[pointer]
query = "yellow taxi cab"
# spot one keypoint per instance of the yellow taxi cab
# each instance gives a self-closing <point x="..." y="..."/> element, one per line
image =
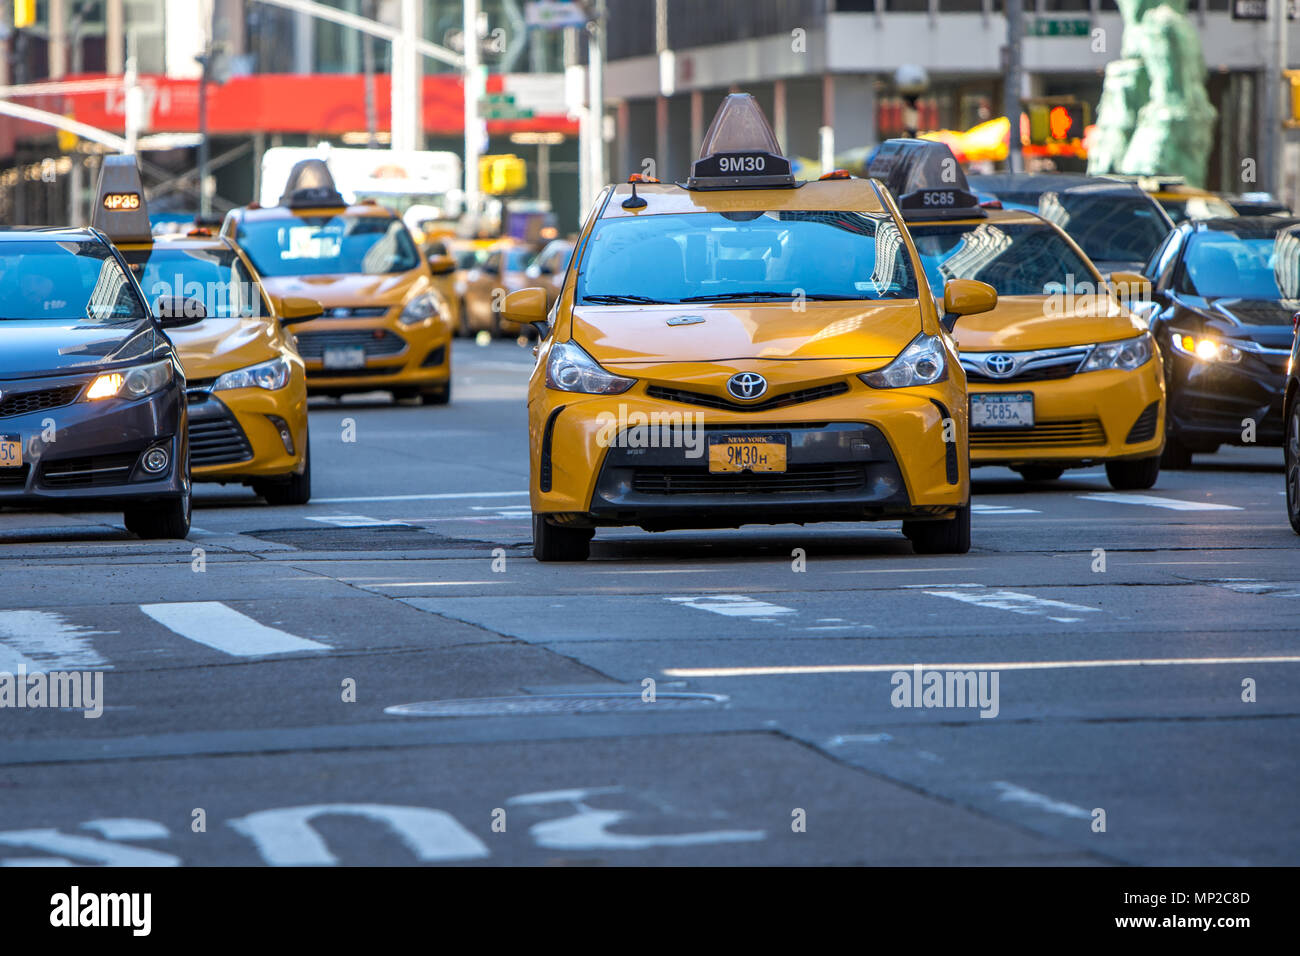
<point x="746" y="349"/>
<point x="246" y="385"/>
<point x="1060" y="374"/>
<point x="385" y="326"/>
<point x="1181" y="200"/>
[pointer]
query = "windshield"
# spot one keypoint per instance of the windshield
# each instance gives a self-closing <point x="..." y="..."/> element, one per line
<point x="216" y="277"/>
<point x="1109" y="227"/>
<point x="328" y="245"/>
<point x="1042" y="262"/>
<point x="65" y="281"/>
<point x="1197" y="207"/>
<point x="1222" y="264"/>
<point x="746" y="255"/>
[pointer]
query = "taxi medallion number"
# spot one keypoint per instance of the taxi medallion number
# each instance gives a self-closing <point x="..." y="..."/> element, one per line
<point x="756" y="453"/>
<point x="11" y="451"/>
<point x="344" y="358"/>
<point x="1002" y="410"/>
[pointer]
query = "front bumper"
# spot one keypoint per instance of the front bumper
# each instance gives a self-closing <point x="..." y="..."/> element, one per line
<point x="396" y="355"/>
<point x="234" y="436"/>
<point x="86" y="455"/>
<point x="1086" y="418"/>
<point x="1211" y="402"/>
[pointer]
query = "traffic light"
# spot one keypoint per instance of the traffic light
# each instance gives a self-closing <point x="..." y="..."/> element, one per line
<point x="501" y="174"/>
<point x="1056" y="122"/>
<point x="24" y="14"/>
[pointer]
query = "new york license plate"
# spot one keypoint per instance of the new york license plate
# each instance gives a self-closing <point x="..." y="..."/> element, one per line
<point x="731" y="453"/>
<point x="344" y="358"/>
<point x="1002" y="410"/>
<point x="11" y="451"/>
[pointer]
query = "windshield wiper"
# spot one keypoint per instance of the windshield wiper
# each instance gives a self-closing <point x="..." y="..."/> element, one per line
<point x="622" y="300"/>
<point x="723" y="296"/>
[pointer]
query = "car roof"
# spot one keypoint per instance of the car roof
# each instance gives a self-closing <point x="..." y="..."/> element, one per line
<point x="362" y="209"/>
<point x="994" y="216"/>
<point x="1050" y="182"/>
<point x="845" y="195"/>
<point x="1250" y="227"/>
<point x="53" y="233"/>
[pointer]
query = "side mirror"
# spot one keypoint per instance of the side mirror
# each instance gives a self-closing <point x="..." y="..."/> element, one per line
<point x="1130" y="287"/>
<point x="442" y="265"/>
<point x="966" y="297"/>
<point x="295" y="309"/>
<point x="175" y="312"/>
<point x="527" y="306"/>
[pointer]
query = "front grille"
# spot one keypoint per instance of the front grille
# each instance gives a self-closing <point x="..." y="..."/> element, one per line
<point x="26" y="402"/>
<point x="312" y="345"/>
<point x="801" y="479"/>
<point x="778" y="401"/>
<point x="1144" y="429"/>
<point x="14" y="477"/>
<point x="94" y="471"/>
<point x="359" y="312"/>
<point x="1041" y="366"/>
<point x="1040" y="373"/>
<point x="217" y="441"/>
<point x="1079" y="432"/>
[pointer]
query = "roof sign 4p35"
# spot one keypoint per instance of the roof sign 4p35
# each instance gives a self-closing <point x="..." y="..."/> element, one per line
<point x="740" y="150"/>
<point x="926" y="179"/>
<point x="120" y="209"/>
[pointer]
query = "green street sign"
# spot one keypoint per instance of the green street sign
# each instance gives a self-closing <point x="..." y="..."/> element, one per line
<point x="1059" y="27"/>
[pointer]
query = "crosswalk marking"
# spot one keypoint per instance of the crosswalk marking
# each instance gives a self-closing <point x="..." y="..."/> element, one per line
<point x="1017" y="602"/>
<point x="45" y="641"/>
<point x="981" y="509"/>
<point x="358" y="521"/>
<point x="732" y="605"/>
<point x="1155" y="501"/>
<point x="224" y="629"/>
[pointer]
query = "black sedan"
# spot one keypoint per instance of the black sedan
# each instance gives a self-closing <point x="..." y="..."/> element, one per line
<point x="92" y="395"/>
<point x="1223" y="295"/>
<point x="1291" y="440"/>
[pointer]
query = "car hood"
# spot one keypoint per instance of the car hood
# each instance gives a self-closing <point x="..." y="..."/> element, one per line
<point x="638" y="335"/>
<point x="215" y="346"/>
<point x="1267" y="322"/>
<point x="350" y="290"/>
<point x="1024" y="322"/>
<point x="45" y="347"/>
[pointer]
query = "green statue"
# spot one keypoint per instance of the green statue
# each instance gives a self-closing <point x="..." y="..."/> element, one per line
<point x="1155" y="118"/>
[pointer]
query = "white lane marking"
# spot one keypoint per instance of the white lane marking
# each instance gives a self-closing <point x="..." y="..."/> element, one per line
<point x="839" y="740"/>
<point x="426" y="584"/>
<point x="127" y="828"/>
<point x="1155" y="501"/>
<point x="1014" y="794"/>
<point x="1017" y="602"/>
<point x="731" y="605"/>
<point x="45" y="641"/>
<point x="83" y="848"/>
<point x="440" y="497"/>
<point x="358" y="521"/>
<point x="286" y="837"/>
<point x="669" y="571"/>
<point x="1257" y="586"/>
<point x="901" y="570"/>
<point x="224" y="629"/>
<point x="980" y="509"/>
<point x="795" y="670"/>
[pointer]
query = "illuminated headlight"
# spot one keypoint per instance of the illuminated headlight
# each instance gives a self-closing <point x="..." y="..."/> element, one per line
<point x="1125" y="355"/>
<point x="419" y="309"/>
<point x="921" y="363"/>
<point x="1204" y="348"/>
<point x="272" y="376"/>
<point x="131" y="384"/>
<point x="570" y="369"/>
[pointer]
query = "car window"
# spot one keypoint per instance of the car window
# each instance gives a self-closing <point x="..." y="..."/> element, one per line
<point x="1158" y="271"/>
<point x="216" y="277"/>
<point x="1223" y="264"/>
<point x="328" y="245"/>
<point x="66" y="281"/>
<point x="1014" y="258"/>
<point x="1108" y="227"/>
<point x="693" y="256"/>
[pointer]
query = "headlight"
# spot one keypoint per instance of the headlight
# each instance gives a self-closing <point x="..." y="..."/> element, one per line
<point x="1203" y="347"/>
<point x="131" y="384"/>
<point x="924" y="362"/>
<point x="570" y="369"/>
<point x="1126" y="354"/>
<point x="419" y="310"/>
<point x="272" y="376"/>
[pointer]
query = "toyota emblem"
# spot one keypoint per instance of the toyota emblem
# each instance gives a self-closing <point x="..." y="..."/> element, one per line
<point x="1000" y="365"/>
<point x="747" y="386"/>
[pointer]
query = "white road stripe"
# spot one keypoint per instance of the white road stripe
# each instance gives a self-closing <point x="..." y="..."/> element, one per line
<point x="1014" y="794"/>
<point x="426" y="584"/>
<point x="732" y="605"/>
<point x="801" y="669"/>
<point x="224" y="629"/>
<point x="1017" y="602"/>
<point x="980" y="509"/>
<point x="441" y="497"/>
<point x="1155" y="501"/>
<point x="358" y="521"/>
<point x="45" y="641"/>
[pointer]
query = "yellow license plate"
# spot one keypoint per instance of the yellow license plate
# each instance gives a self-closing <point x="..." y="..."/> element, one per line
<point x="747" y="453"/>
<point x="11" y="451"/>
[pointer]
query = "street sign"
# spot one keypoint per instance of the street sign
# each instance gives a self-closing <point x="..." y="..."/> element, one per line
<point x="1258" y="9"/>
<point x="554" y="14"/>
<point x="502" y="106"/>
<point x="1059" y="27"/>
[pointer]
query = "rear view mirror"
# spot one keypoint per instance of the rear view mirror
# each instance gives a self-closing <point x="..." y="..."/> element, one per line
<point x="442" y="265"/>
<point x="295" y="309"/>
<point x="527" y="306"/>
<point x="966" y="297"/>
<point x="1130" y="287"/>
<point x="175" y="311"/>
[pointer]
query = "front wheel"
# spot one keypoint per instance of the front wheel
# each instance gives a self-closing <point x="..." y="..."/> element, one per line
<point x="169" y="519"/>
<point x="940" y="537"/>
<point x="557" y="543"/>
<point x="1292" y="452"/>
<point x="1134" y="474"/>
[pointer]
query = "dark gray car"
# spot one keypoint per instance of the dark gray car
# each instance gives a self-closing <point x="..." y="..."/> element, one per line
<point x="92" y="394"/>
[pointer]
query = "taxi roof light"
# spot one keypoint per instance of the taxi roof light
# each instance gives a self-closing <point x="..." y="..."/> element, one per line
<point x="119" y="219"/>
<point x="926" y="178"/>
<point x="740" y="150"/>
<point x="310" y="185"/>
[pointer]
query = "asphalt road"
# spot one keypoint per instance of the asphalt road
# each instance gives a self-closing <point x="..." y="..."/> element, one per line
<point x="286" y="686"/>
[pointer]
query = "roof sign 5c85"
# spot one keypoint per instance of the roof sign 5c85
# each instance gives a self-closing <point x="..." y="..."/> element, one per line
<point x="120" y="210"/>
<point x="740" y="150"/>
<point x="926" y="178"/>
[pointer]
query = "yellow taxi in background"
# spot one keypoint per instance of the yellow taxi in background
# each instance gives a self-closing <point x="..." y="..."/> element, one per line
<point x="1060" y="374"/>
<point x="245" y="382"/>
<point x="1180" y="200"/>
<point x="385" y="325"/>
<point x="745" y="349"/>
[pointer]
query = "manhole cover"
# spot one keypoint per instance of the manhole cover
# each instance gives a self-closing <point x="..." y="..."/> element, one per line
<point x="554" y="704"/>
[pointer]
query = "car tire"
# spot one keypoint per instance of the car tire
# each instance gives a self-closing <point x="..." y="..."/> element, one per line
<point x="465" y="330"/>
<point x="1133" y="474"/>
<point x="437" y="396"/>
<point x="557" y="543"/>
<point x="940" y="537"/>
<point x="1176" y="456"/>
<point x="495" y="326"/>
<point x="1039" y="472"/>
<point x="296" y="490"/>
<point x="1291" y="452"/>
<point x="171" y="519"/>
